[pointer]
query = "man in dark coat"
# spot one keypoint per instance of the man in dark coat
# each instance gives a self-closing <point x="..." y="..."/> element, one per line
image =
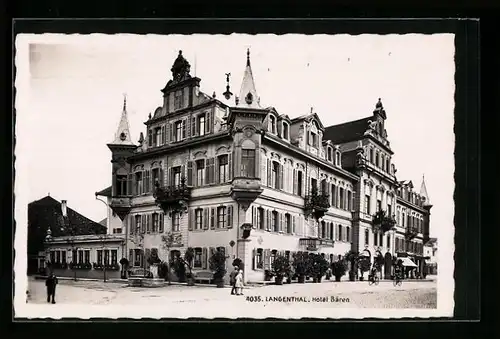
<point x="51" y="283"/>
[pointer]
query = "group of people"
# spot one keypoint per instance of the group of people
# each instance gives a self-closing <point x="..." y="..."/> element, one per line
<point x="236" y="281"/>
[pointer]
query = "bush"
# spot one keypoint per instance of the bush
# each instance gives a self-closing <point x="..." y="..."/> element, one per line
<point x="218" y="265"/>
<point x="301" y="263"/>
<point x="318" y="266"/>
<point x="280" y="266"/>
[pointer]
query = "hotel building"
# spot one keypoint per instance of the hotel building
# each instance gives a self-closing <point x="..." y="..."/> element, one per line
<point x="255" y="183"/>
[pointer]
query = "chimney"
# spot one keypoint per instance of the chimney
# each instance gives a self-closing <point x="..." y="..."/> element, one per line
<point x="63" y="208"/>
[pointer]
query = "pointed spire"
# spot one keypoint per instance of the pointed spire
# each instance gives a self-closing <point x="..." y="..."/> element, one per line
<point x="423" y="192"/>
<point x="122" y="136"/>
<point x="248" y="94"/>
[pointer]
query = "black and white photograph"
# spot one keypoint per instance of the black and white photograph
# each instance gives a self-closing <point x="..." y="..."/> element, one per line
<point x="234" y="176"/>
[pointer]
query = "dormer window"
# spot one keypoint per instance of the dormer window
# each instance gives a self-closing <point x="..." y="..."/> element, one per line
<point x="156" y="136"/>
<point x="272" y="124"/>
<point x="178" y="99"/>
<point x="285" y="131"/>
<point x="387" y="165"/>
<point x="329" y="152"/>
<point x="337" y="158"/>
<point x="313" y="139"/>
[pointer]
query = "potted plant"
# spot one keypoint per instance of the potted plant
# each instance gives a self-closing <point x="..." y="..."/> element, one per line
<point x="179" y="268"/>
<point x="364" y="266"/>
<point x="339" y="269"/>
<point x="300" y="265"/>
<point x="188" y="259"/>
<point x="280" y="267"/>
<point x="318" y="267"/>
<point x="218" y="266"/>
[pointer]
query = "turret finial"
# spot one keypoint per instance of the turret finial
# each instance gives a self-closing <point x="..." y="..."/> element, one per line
<point x="248" y="56"/>
<point x="124" y="101"/>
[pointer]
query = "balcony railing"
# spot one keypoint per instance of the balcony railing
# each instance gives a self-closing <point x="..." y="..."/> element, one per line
<point x="316" y="204"/>
<point x="173" y="198"/>
<point x="411" y="232"/>
<point x="313" y="244"/>
<point x="383" y="222"/>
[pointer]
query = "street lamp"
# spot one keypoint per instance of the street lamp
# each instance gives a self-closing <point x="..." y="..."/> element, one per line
<point x="104" y="238"/>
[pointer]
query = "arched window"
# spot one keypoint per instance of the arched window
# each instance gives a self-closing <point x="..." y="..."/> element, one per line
<point x="272" y="124"/>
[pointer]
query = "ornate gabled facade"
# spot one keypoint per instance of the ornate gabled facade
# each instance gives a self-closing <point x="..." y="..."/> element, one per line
<point x="251" y="181"/>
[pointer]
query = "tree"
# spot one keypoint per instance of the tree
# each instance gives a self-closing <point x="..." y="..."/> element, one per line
<point x="168" y="242"/>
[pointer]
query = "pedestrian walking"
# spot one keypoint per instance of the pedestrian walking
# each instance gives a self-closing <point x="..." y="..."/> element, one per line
<point x="232" y="279"/>
<point x="51" y="283"/>
<point x="239" y="282"/>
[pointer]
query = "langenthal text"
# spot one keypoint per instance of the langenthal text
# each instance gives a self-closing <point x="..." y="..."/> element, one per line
<point x="284" y="299"/>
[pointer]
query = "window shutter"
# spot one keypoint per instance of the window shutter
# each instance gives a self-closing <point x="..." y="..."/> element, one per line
<point x="172" y="132"/>
<point x="163" y="134"/>
<point x="230" y="216"/>
<point x="143" y="223"/>
<point x="208" y="122"/>
<point x="184" y="128"/>
<point x="150" y="138"/>
<point x="353" y="200"/>
<point x="216" y="170"/>
<point x="148" y="181"/>
<point x="193" y="127"/>
<point x="130" y="182"/>
<point x="161" y="221"/>
<point x="211" y="178"/>
<point x="206" y="218"/>
<point x="131" y="257"/>
<point x="148" y="223"/>
<point x="269" y="221"/>
<point x="294" y="227"/>
<point x="204" y="258"/>
<point x="183" y="171"/>
<point x="294" y="181"/>
<point x="192" y="219"/>
<point x="263" y="166"/>
<point x="269" y="173"/>
<point x="254" y="259"/>
<point x="254" y="217"/>
<point x="207" y="172"/>
<point x="212" y="218"/>
<point x="161" y="180"/>
<point x="187" y="122"/>
<point x="280" y="220"/>
<point x="131" y="224"/>
<point x="230" y="166"/>
<point x="168" y="132"/>
<point x="280" y="184"/>
<point x="266" y="256"/>
<point x="190" y="173"/>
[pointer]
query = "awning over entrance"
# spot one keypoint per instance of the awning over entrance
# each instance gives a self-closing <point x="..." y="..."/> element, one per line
<point x="408" y="262"/>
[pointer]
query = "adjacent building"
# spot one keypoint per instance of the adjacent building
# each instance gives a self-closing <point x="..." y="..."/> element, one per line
<point x="253" y="182"/>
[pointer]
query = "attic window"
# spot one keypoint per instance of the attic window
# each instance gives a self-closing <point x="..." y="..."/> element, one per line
<point x="329" y="153"/>
<point x="337" y="158"/>
<point x="272" y="124"/>
<point x="285" y="131"/>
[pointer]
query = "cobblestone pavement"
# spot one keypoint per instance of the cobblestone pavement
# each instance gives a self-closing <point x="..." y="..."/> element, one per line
<point x="412" y="294"/>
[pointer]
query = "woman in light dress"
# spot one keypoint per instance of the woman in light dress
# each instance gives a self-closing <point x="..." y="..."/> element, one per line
<point x="239" y="282"/>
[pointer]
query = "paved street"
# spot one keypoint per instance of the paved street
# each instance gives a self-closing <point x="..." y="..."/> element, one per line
<point x="412" y="294"/>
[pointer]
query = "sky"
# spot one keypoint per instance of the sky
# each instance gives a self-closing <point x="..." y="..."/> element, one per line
<point x="70" y="97"/>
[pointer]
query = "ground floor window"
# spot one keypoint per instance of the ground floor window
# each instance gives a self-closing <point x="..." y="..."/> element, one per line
<point x="87" y="256"/>
<point x="197" y="257"/>
<point x="259" y="262"/>
<point x="114" y="257"/>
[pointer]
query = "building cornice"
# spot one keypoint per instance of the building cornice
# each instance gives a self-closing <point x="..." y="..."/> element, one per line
<point x="173" y="147"/>
<point x="402" y="201"/>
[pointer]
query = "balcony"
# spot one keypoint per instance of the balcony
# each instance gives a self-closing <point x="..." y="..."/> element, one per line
<point x="121" y="206"/>
<point x="383" y="222"/>
<point x="173" y="198"/>
<point x="245" y="190"/>
<point x="316" y="204"/>
<point x="313" y="244"/>
<point x="411" y="232"/>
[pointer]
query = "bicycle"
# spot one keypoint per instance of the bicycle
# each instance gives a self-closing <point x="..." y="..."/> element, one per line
<point x="397" y="280"/>
<point x="373" y="279"/>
